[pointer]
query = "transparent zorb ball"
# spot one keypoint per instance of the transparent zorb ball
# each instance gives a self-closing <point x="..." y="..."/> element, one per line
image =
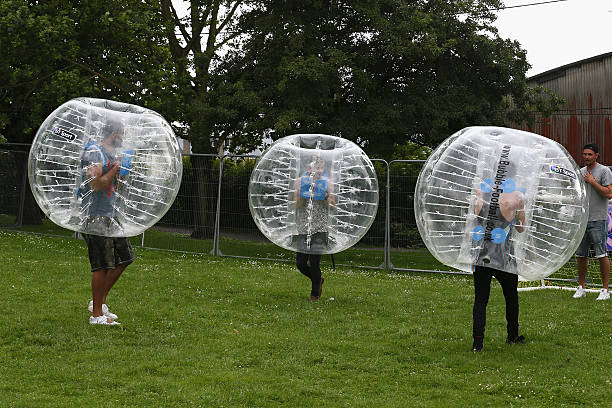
<point x="86" y="134"/>
<point x="472" y="190"/>
<point x="313" y="193"/>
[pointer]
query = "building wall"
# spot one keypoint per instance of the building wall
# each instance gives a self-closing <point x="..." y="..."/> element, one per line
<point x="586" y="117"/>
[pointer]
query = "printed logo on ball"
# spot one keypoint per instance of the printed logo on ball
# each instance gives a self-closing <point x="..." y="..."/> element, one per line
<point x="560" y="170"/>
<point x="64" y="133"/>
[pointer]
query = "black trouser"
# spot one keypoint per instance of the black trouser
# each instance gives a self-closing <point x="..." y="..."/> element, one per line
<point x="312" y="271"/>
<point x="482" y="288"/>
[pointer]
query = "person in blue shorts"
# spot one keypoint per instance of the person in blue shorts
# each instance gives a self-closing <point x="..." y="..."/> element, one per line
<point x="598" y="180"/>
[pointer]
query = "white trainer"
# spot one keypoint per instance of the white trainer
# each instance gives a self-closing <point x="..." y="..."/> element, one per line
<point x="580" y="292"/>
<point x="102" y="320"/>
<point x="105" y="310"/>
<point x="604" y="294"/>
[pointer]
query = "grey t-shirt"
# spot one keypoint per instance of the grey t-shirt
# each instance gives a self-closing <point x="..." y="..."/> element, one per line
<point x="598" y="204"/>
<point x="496" y="247"/>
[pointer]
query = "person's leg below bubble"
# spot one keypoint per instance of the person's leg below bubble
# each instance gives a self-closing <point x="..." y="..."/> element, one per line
<point x="123" y="257"/>
<point x="98" y="289"/>
<point x="315" y="277"/>
<point x="111" y="278"/>
<point x="482" y="289"/>
<point x="301" y="261"/>
<point x="582" y="261"/>
<point x="102" y="260"/>
<point x="509" y="284"/>
<point x="601" y="253"/>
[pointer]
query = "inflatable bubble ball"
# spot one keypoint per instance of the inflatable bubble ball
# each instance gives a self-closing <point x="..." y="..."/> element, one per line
<point x="501" y="198"/>
<point x="105" y="168"/>
<point x="313" y="193"/>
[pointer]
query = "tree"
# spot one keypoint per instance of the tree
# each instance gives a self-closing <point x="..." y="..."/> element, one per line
<point x="53" y="51"/>
<point x="198" y="43"/>
<point x="378" y="72"/>
<point x="57" y="50"/>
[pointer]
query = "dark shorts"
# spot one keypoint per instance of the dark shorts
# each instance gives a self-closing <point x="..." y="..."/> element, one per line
<point x="108" y="252"/>
<point x="596" y="234"/>
<point x="316" y="245"/>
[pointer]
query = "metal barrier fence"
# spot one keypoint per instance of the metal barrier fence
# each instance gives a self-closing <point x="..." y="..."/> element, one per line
<point x="211" y="213"/>
<point x="13" y="186"/>
<point x="237" y="235"/>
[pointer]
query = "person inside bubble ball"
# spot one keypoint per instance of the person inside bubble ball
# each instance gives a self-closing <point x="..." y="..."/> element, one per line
<point x="496" y="248"/>
<point x="598" y="181"/>
<point x="313" y="199"/>
<point x="108" y="256"/>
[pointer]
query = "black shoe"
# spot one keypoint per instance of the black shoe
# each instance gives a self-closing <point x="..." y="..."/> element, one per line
<point x="477" y="345"/>
<point x="515" y="340"/>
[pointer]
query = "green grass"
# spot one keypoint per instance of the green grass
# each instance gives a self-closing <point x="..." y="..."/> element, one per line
<point x="207" y="331"/>
<point x="358" y="257"/>
<point x="417" y="259"/>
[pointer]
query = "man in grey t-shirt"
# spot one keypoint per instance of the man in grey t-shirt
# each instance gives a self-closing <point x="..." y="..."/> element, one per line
<point x="598" y="179"/>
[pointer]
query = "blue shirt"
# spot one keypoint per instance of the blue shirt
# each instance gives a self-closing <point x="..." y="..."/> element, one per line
<point x="317" y="191"/>
<point x="96" y="203"/>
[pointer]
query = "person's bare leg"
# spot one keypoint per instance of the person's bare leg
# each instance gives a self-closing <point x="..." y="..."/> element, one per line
<point x="98" y="288"/>
<point x="111" y="278"/>
<point x="583" y="264"/>
<point x="604" y="268"/>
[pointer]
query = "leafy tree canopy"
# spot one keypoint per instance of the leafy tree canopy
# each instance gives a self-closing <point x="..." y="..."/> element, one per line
<point x="411" y="151"/>
<point x="55" y="50"/>
<point x="377" y="72"/>
<point x="232" y="72"/>
<point x="198" y="43"/>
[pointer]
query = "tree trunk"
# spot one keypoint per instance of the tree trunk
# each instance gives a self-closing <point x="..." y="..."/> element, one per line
<point x="205" y="199"/>
<point x="32" y="214"/>
<point x="28" y="212"/>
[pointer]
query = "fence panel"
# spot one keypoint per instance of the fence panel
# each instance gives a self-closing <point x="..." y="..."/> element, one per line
<point x="238" y="234"/>
<point x="370" y="251"/>
<point x="189" y="224"/>
<point x="14" y="186"/>
<point x="211" y="212"/>
<point x="405" y="243"/>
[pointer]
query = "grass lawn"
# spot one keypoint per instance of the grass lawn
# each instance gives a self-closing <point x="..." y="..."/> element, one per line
<point x="401" y="259"/>
<point x="159" y="239"/>
<point x="199" y="330"/>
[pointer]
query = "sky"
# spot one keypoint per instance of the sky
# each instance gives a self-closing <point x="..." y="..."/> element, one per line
<point x="559" y="33"/>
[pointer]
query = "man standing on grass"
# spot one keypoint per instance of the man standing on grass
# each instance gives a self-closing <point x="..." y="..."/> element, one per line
<point x="598" y="179"/>
<point x="108" y="256"/>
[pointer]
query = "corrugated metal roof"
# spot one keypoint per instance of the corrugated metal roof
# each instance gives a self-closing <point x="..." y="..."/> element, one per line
<point x="560" y="71"/>
<point x="586" y="86"/>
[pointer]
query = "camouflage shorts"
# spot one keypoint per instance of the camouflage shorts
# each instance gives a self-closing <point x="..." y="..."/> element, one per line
<point x="108" y="252"/>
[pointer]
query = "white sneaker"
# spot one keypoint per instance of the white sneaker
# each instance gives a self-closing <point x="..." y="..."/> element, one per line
<point x="604" y="294"/>
<point x="580" y="292"/>
<point x="105" y="310"/>
<point x="102" y="320"/>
